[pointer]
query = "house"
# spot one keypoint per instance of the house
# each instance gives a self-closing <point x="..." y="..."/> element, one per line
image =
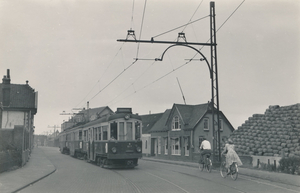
<point x="86" y="115"/>
<point x="179" y="132"/>
<point x="18" y="107"/>
<point x="148" y="121"/>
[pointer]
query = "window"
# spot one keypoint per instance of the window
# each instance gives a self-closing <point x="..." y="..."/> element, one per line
<point x="95" y="134"/>
<point x="104" y="132"/>
<point x="137" y="131"/>
<point x="221" y="124"/>
<point x="129" y="131"/>
<point x="85" y="135"/>
<point x="159" y="145"/>
<point x="187" y="146"/>
<point x="146" y="144"/>
<point x="176" y="124"/>
<point x="206" y="124"/>
<point x="166" y="145"/>
<point x="114" y="130"/>
<point x="121" y="131"/>
<point x="80" y="135"/>
<point x="99" y="133"/>
<point x="201" y="138"/>
<point x="176" y="146"/>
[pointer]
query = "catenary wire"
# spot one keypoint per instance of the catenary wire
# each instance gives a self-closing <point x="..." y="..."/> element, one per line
<point x="102" y="74"/>
<point x="181" y="26"/>
<point x="192" y="57"/>
<point x="192" y="16"/>
<point x="138" y="46"/>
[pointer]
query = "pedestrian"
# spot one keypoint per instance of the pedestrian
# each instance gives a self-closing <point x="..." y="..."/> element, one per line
<point x="205" y="148"/>
<point x="231" y="155"/>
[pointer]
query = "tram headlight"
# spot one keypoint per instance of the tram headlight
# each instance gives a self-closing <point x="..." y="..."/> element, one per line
<point x="138" y="149"/>
<point x="114" y="149"/>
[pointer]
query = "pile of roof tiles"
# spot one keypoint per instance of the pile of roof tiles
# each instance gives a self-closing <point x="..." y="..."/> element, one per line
<point x="274" y="133"/>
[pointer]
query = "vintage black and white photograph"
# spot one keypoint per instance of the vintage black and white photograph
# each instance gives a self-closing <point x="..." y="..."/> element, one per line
<point x="149" y="96"/>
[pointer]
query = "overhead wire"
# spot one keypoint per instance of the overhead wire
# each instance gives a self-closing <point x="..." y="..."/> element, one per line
<point x="114" y="57"/>
<point x="102" y="74"/>
<point x="157" y="36"/>
<point x="141" y="29"/>
<point x="131" y="24"/>
<point x="180" y="26"/>
<point x="192" y="16"/>
<point x="192" y="57"/>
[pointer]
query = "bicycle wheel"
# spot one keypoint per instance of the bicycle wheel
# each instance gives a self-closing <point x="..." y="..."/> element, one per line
<point x="234" y="171"/>
<point x="208" y="165"/>
<point x="223" y="170"/>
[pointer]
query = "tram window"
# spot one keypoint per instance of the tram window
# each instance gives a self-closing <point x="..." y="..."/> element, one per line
<point x="129" y="131"/>
<point x="121" y="131"/>
<point x="95" y="134"/>
<point x="80" y="135"/>
<point x="85" y="135"/>
<point x="99" y="133"/>
<point x="114" y="130"/>
<point x="104" y="130"/>
<point x="137" y="130"/>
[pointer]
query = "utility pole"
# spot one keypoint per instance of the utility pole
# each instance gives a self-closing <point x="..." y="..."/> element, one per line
<point x="212" y="69"/>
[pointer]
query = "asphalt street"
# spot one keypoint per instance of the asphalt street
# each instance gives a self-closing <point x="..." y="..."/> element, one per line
<point x="74" y="175"/>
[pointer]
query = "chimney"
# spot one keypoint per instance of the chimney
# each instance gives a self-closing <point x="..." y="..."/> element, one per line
<point x="6" y="79"/>
<point x="6" y="89"/>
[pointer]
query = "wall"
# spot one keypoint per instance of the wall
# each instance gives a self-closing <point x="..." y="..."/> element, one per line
<point x="146" y="150"/>
<point x="12" y="118"/>
<point x="257" y="160"/>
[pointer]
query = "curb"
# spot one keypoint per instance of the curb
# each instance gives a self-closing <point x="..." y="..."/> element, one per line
<point x="31" y="183"/>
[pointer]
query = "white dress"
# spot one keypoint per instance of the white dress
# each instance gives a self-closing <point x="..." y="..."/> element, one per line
<point x="232" y="156"/>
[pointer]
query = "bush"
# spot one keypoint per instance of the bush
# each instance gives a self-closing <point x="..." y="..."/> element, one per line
<point x="290" y="165"/>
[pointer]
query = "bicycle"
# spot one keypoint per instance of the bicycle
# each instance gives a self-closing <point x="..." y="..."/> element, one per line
<point x="207" y="164"/>
<point x="233" y="170"/>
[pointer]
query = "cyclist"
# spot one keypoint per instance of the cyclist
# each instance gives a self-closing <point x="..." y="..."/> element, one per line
<point x="205" y="149"/>
<point x="231" y="156"/>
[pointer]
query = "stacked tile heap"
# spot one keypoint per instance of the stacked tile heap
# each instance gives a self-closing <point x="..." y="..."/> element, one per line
<point x="274" y="133"/>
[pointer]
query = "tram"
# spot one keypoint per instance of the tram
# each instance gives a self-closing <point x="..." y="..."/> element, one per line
<point x="112" y="141"/>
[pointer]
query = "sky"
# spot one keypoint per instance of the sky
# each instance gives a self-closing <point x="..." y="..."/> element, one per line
<point x="69" y="53"/>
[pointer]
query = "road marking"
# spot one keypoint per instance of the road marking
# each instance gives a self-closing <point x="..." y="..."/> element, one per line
<point x="169" y="182"/>
<point x="259" y="182"/>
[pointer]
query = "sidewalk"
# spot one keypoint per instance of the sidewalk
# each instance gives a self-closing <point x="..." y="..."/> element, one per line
<point x="293" y="180"/>
<point x="35" y="169"/>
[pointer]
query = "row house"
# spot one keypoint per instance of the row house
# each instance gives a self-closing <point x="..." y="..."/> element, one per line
<point x="180" y="130"/>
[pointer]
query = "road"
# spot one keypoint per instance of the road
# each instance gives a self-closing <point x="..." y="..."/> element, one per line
<point x="74" y="175"/>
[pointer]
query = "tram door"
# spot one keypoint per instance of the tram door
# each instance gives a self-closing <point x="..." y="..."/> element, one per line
<point x="91" y="144"/>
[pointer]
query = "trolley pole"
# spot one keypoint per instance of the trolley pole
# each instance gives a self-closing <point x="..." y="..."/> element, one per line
<point x="212" y="69"/>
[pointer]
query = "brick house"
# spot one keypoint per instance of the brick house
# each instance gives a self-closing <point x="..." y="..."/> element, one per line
<point x="18" y="107"/>
<point x="180" y="130"/>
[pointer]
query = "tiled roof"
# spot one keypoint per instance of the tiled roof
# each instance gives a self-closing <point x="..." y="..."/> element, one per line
<point x="21" y="96"/>
<point x="149" y="121"/>
<point x="160" y="125"/>
<point x="191" y="114"/>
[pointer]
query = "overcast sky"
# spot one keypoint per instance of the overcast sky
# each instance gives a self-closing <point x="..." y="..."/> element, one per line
<point x="68" y="51"/>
